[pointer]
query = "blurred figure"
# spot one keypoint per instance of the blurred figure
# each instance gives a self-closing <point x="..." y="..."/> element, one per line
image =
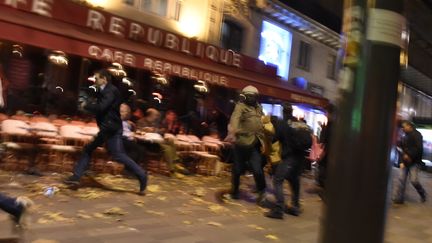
<point x="324" y="140"/>
<point x="132" y="148"/>
<point x="140" y="107"/>
<point x="150" y="121"/>
<point x="412" y="153"/>
<point x="150" y="124"/>
<point x="107" y="111"/>
<point x="218" y="122"/>
<point x="170" y="124"/>
<point x="248" y="133"/>
<point x="290" y="166"/>
<point x="16" y="207"/>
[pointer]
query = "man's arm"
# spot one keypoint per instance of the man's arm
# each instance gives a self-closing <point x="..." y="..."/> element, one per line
<point x="102" y="105"/>
<point x="235" y="118"/>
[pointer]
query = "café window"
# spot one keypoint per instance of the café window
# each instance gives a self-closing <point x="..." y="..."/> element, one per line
<point x="304" y="56"/>
<point x="232" y="36"/>
<point x="331" y="66"/>
<point x="165" y="8"/>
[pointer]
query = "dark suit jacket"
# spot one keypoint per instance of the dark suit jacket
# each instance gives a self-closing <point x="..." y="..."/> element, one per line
<point x="107" y="108"/>
<point x="412" y="144"/>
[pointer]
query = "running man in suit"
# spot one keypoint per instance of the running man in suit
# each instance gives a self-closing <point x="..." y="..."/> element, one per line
<point x="107" y="111"/>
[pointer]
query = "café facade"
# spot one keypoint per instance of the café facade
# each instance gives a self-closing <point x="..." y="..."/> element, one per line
<point x="85" y="34"/>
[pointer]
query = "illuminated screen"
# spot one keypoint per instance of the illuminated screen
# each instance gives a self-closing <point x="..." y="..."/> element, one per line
<point x="276" y="48"/>
<point x="427" y="145"/>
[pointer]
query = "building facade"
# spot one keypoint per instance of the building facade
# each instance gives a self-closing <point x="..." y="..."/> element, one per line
<point x="237" y="25"/>
<point x="183" y="55"/>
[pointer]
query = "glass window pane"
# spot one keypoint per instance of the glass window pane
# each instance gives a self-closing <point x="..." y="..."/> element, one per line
<point x="146" y="5"/>
<point x="162" y="7"/>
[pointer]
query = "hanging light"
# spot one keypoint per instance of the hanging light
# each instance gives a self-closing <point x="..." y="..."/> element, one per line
<point x="201" y="87"/>
<point x="133" y="92"/>
<point x="116" y="69"/>
<point x="160" y="79"/>
<point x="60" y="88"/>
<point x="58" y="58"/>
<point x="93" y="87"/>
<point x="17" y="50"/>
<point x="158" y="97"/>
<point x="127" y="81"/>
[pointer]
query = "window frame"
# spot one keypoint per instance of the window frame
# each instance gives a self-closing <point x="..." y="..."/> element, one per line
<point x="238" y="26"/>
<point x="172" y="11"/>
<point x="331" y="75"/>
<point x="307" y="65"/>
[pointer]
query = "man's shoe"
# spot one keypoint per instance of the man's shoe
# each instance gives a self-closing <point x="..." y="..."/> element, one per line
<point x="423" y="198"/>
<point x="234" y="196"/>
<point x="274" y="214"/>
<point x="72" y="181"/>
<point x="294" y="211"/>
<point x="24" y="203"/>
<point x="90" y="173"/>
<point x="143" y="186"/>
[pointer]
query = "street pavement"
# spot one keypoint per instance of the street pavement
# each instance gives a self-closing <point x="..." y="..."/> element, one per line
<point x="179" y="209"/>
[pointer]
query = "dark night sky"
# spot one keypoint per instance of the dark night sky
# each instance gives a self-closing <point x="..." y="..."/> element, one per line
<point x="327" y="12"/>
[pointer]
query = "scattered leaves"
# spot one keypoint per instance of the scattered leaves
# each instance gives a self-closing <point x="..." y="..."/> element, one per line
<point x="272" y="237"/>
<point x="155" y="212"/>
<point x="83" y="216"/>
<point x="187" y="222"/>
<point x="115" y="212"/>
<point x="199" y="192"/>
<point x="254" y="226"/>
<point x="212" y="223"/>
<point x="218" y="209"/>
<point x="99" y="215"/>
<point x="51" y="217"/>
<point x="139" y="203"/>
<point x="44" y="241"/>
<point x="153" y="188"/>
<point x="89" y="194"/>
<point x="178" y="175"/>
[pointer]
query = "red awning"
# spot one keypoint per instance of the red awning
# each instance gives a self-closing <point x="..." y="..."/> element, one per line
<point x="32" y="29"/>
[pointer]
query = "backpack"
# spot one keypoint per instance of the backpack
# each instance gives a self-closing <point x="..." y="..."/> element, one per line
<point x="301" y="137"/>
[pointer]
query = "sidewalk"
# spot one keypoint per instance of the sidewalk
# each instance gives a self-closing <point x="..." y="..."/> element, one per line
<point x="181" y="210"/>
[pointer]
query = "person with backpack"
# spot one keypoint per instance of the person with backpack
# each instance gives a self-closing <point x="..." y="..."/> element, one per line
<point x="295" y="140"/>
<point x="247" y="133"/>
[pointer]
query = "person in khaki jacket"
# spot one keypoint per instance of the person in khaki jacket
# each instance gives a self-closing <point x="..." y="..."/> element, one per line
<point x="248" y="133"/>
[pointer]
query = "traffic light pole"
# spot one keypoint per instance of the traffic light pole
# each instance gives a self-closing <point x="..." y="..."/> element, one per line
<point x="358" y="174"/>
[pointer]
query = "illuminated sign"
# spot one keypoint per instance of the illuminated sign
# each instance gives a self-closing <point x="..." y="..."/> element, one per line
<point x="276" y="48"/>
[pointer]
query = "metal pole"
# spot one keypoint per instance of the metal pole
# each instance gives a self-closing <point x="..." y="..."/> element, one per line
<point x="357" y="188"/>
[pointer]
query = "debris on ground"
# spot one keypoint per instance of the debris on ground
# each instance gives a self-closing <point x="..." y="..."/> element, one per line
<point x="272" y="237"/>
<point x="115" y="212"/>
<point x="216" y="224"/>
